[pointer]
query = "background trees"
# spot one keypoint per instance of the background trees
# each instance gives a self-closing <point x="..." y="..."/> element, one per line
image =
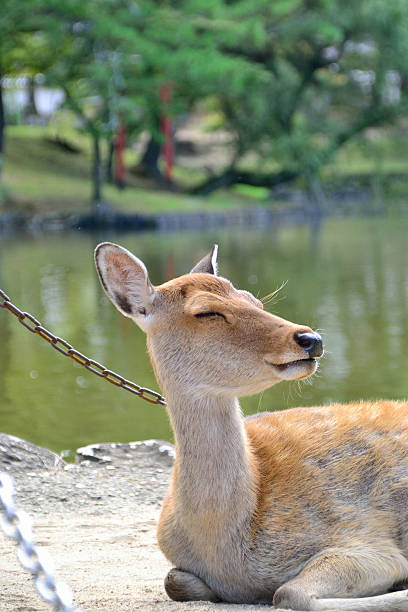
<point x="292" y="80"/>
<point x="327" y="72"/>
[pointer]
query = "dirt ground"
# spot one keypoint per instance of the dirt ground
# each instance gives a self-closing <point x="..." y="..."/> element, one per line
<point x="98" y="521"/>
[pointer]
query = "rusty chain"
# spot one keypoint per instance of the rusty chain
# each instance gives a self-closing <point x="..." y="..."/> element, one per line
<point x="63" y="347"/>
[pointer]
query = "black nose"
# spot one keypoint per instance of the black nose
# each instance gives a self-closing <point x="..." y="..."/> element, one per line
<point x="311" y="342"/>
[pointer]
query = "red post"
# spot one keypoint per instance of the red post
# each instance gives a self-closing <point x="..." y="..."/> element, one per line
<point x="167" y="131"/>
<point x="120" y="145"/>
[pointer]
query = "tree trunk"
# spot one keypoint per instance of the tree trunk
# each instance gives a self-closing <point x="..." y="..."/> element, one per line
<point x="96" y="172"/>
<point x="150" y="159"/>
<point x="235" y="177"/>
<point x="31" y="108"/>
<point x="2" y="124"/>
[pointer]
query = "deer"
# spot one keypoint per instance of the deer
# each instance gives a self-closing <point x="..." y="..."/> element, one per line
<point x="304" y="508"/>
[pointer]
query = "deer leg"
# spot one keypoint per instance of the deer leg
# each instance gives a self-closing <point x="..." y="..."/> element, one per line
<point x="183" y="586"/>
<point x="355" y="580"/>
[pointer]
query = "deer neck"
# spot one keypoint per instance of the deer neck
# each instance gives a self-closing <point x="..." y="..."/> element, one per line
<point x="213" y="476"/>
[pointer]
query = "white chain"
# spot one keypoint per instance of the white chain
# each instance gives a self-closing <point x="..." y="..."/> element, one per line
<point x="16" y="524"/>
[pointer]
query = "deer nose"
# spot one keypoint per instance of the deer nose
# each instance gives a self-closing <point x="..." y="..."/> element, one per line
<point x="311" y="342"/>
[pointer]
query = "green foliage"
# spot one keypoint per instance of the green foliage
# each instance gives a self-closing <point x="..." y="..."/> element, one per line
<point x="292" y="80"/>
<point x="326" y="71"/>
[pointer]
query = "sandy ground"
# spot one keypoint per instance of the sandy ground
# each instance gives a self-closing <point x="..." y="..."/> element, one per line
<point x="98" y="521"/>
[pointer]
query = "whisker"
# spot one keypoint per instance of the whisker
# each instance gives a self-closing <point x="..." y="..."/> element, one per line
<point x="269" y="297"/>
<point x="286" y="394"/>
<point x="260" y="401"/>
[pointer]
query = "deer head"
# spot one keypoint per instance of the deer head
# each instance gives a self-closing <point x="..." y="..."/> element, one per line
<point x="203" y="334"/>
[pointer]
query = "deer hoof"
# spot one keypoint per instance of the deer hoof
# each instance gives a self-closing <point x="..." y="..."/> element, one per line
<point x="183" y="586"/>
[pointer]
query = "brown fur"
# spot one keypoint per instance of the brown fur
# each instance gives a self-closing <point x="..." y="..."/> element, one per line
<point x="307" y="507"/>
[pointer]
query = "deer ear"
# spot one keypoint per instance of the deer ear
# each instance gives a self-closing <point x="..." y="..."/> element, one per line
<point x="125" y="280"/>
<point x="208" y="263"/>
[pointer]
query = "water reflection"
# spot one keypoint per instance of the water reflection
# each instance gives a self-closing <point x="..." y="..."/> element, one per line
<point x="348" y="278"/>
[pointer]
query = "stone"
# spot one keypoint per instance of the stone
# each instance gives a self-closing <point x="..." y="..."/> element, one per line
<point x="115" y="455"/>
<point x="19" y="455"/>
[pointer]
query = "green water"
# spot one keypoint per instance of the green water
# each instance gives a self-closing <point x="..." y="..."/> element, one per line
<point x="348" y="278"/>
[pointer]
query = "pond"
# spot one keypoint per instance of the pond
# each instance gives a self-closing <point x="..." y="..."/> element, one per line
<point x="345" y="277"/>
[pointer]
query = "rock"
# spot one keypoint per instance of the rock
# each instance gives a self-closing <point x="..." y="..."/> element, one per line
<point x="117" y="454"/>
<point x="20" y="455"/>
<point x="104" y="478"/>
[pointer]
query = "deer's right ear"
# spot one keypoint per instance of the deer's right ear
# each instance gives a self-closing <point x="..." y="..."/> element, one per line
<point x="208" y="263"/>
<point x="125" y="280"/>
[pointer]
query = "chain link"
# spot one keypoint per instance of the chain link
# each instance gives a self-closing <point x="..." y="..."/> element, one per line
<point x="63" y="347"/>
<point x="16" y="524"/>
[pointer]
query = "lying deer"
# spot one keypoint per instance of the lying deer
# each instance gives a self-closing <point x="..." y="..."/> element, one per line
<point x="306" y="508"/>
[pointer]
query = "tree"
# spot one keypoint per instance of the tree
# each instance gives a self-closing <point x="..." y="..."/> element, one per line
<point x="79" y="49"/>
<point x="112" y="58"/>
<point x="328" y="70"/>
<point x="16" y="25"/>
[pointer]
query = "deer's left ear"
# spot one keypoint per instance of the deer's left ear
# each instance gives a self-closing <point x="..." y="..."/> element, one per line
<point x="208" y="264"/>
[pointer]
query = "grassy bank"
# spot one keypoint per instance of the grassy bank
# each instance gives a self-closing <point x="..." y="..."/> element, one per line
<point x="41" y="176"/>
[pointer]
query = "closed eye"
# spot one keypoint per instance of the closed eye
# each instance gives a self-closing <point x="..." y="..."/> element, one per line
<point x="201" y="315"/>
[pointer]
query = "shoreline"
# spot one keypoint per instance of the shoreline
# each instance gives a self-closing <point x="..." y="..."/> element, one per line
<point x="258" y="216"/>
<point x="254" y="216"/>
